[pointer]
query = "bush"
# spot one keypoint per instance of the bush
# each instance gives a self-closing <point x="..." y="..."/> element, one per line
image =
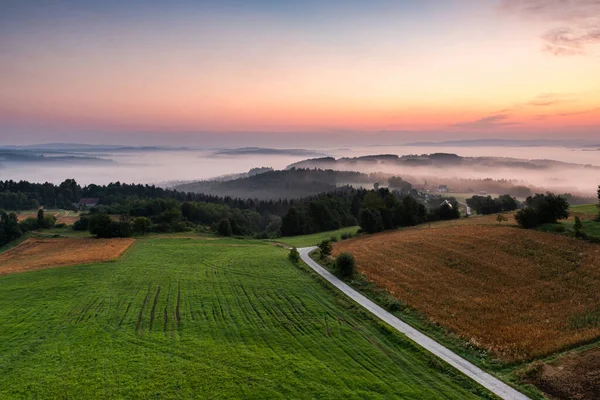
<point x="294" y="256"/>
<point x="325" y="247"/>
<point x="346" y="236"/>
<point x="578" y="227"/>
<point x="29" y="224"/>
<point x="82" y="224"/>
<point x="527" y="218"/>
<point x="61" y="225"/>
<point x="49" y="221"/>
<point x="333" y="239"/>
<point x="344" y="265"/>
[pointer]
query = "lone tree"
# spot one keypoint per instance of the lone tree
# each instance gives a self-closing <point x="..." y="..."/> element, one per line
<point x="325" y="247"/>
<point x="501" y="218"/>
<point x="344" y="265"/>
<point x="40" y="218"/>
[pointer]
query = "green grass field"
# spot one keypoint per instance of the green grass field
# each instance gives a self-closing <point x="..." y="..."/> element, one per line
<point x="585" y="209"/>
<point x="184" y="318"/>
<point x="314" y="239"/>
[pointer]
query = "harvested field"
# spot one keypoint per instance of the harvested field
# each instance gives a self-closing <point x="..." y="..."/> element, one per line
<point x="62" y="216"/>
<point x="35" y="254"/>
<point x="516" y="293"/>
<point x="574" y="376"/>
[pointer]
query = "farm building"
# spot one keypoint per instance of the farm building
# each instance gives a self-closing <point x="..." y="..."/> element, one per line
<point x="447" y="203"/>
<point x="87" y="202"/>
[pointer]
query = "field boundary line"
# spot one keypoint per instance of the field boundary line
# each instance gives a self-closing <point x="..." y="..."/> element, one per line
<point x="485" y="379"/>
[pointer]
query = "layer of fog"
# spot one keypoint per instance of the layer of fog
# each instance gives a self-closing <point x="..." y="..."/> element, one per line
<point x="162" y="166"/>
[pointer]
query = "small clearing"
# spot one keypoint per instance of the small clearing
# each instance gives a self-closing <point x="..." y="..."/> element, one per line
<point x="35" y="254"/>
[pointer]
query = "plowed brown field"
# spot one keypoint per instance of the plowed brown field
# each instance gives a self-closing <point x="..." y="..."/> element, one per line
<point x="35" y="254"/>
<point x="514" y="292"/>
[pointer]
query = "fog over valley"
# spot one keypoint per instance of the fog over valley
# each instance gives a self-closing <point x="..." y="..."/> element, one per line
<point x="163" y="165"/>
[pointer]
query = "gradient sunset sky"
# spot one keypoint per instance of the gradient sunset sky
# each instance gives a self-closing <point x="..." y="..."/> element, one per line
<point x="177" y="72"/>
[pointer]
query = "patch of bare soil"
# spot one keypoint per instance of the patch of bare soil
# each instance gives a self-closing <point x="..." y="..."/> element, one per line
<point x="35" y="254"/>
<point x="574" y="376"/>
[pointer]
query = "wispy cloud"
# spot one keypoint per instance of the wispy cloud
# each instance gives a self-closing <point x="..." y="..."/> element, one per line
<point x="550" y="99"/>
<point x="489" y="122"/>
<point x="577" y="23"/>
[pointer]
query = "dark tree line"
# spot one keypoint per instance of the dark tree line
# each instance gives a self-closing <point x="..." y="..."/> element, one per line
<point x="487" y="205"/>
<point x="373" y="210"/>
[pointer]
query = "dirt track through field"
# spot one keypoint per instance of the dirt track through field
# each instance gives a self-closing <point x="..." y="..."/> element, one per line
<point x="34" y="254"/>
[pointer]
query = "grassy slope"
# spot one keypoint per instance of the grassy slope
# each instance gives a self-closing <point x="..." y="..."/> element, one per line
<point x="314" y="239"/>
<point x="588" y="214"/>
<point x="585" y="209"/>
<point x="181" y="318"/>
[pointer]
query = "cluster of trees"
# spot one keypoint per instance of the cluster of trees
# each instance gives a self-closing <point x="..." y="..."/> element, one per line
<point x="487" y="205"/>
<point x="383" y="210"/>
<point x="41" y="221"/>
<point x="145" y="208"/>
<point x="24" y="195"/>
<point x="11" y="228"/>
<point x="323" y="213"/>
<point x="289" y="183"/>
<point x="542" y="209"/>
<point x="373" y="210"/>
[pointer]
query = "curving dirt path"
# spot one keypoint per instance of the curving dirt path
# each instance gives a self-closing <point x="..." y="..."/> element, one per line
<point x="486" y="380"/>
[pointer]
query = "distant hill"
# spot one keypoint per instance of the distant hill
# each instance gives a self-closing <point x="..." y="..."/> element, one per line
<point x="436" y="160"/>
<point x="267" y="152"/>
<point x="291" y="183"/>
<point x="28" y="157"/>
<point x="506" y="143"/>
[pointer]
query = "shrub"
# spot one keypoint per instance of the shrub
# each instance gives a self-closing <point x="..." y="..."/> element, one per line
<point x="325" y="247"/>
<point x="29" y="224"/>
<point x="333" y="239"/>
<point x="294" y="256"/>
<point x="501" y="218"/>
<point x="61" y="225"/>
<point x="527" y="218"/>
<point x="578" y="227"/>
<point x="344" y="265"/>
<point x="49" y="221"/>
<point x="346" y="236"/>
<point x="82" y="224"/>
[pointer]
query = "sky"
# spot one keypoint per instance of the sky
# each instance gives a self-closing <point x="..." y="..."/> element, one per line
<point x="246" y="72"/>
